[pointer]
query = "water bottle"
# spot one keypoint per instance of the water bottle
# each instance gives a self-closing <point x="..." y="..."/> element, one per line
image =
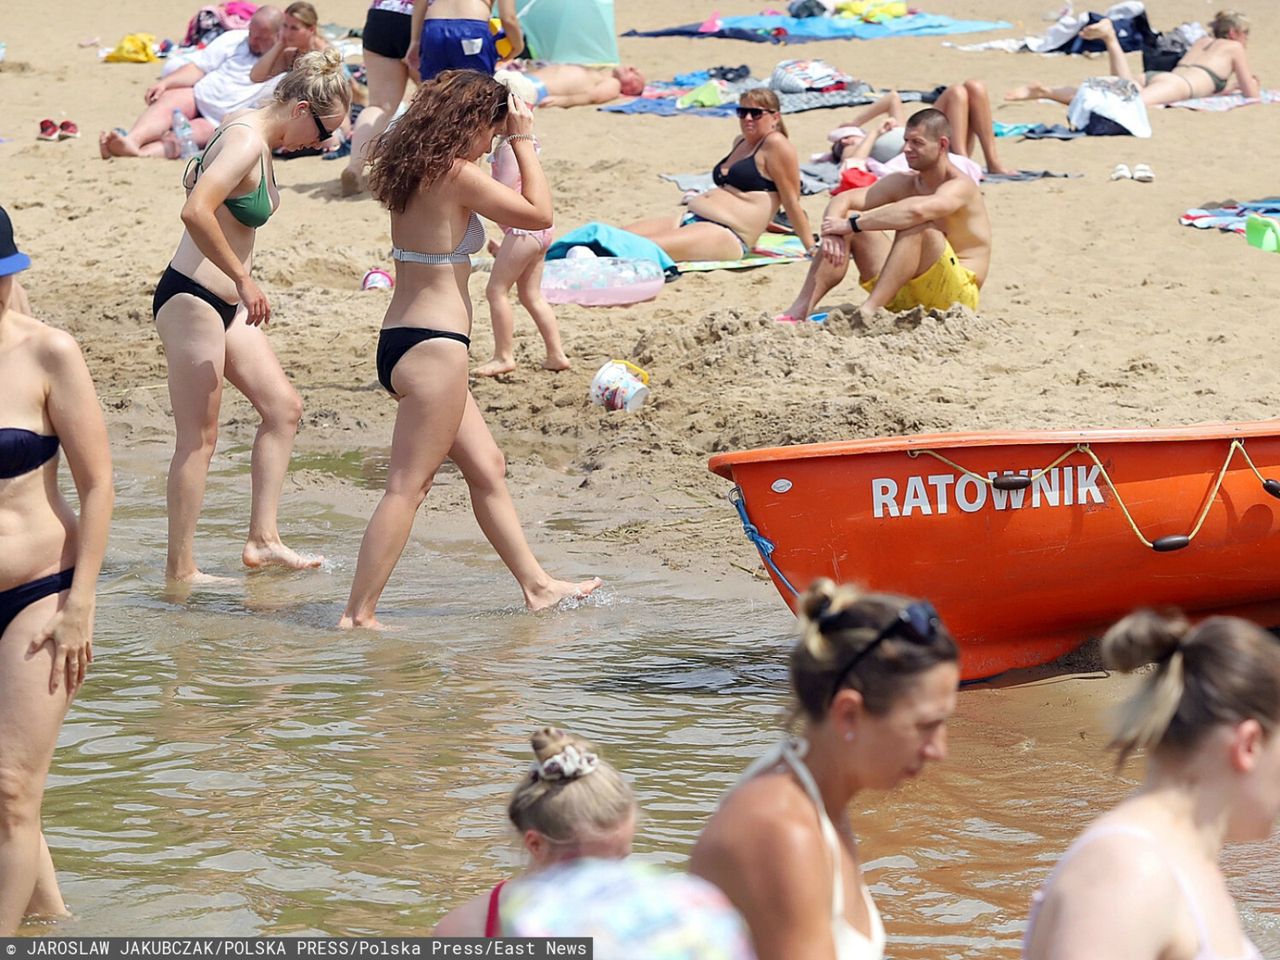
<point x="183" y="134"/>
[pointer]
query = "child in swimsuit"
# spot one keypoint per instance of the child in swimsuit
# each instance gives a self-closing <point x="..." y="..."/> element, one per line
<point x="518" y="262"/>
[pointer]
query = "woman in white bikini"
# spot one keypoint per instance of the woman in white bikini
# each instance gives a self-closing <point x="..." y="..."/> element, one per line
<point x="209" y="311"/>
<point x="1204" y="70"/>
<point x="1143" y="882"/>
<point x="424" y="169"/>
<point x="875" y="679"/>
<point x="571" y="805"/>
<point x="759" y="175"/>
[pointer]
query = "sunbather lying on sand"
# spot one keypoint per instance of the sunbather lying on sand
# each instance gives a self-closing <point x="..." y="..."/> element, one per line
<point x="941" y="246"/>
<point x="571" y="85"/>
<point x="1205" y="70"/>
<point x="760" y="173"/>
<point x="968" y="109"/>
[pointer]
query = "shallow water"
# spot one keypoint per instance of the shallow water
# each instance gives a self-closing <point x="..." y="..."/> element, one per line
<point x="235" y="766"/>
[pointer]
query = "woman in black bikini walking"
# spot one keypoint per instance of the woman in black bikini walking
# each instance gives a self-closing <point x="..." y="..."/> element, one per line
<point x="760" y="174"/>
<point x="424" y="171"/>
<point x="209" y="310"/>
<point x="1204" y="70"/>
<point x="49" y="563"/>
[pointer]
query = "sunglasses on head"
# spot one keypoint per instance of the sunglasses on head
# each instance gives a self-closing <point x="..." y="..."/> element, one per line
<point x="917" y="622"/>
<point x="321" y="132"/>
<point x="755" y="113"/>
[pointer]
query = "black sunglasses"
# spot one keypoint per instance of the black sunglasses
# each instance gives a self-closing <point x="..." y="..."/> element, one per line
<point x="321" y="132"/>
<point x="755" y="113"/>
<point x="917" y="622"/>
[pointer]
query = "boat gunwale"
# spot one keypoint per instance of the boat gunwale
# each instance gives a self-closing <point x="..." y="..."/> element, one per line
<point x="724" y="463"/>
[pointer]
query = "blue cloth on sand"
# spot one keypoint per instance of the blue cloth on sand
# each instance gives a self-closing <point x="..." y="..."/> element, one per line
<point x="456" y="45"/>
<point x="804" y="29"/>
<point x="610" y="241"/>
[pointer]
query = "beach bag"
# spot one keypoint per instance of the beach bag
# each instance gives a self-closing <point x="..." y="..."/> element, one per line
<point x="133" y="48"/>
<point x="211" y="22"/>
<point x="799" y="76"/>
<point x="1163" y="53"/>
<point x="808" y="8"/>
<point x="1109" y="107"/>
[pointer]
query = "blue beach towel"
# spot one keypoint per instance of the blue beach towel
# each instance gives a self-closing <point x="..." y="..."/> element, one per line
<point x="609" y="241"/>
<point x="763" y="29"/>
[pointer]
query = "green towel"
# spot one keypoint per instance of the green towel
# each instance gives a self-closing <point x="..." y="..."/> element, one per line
<point x="707" y="95"/>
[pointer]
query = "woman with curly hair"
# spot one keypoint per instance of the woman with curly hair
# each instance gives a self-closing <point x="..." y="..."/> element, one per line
<point x="424" y="171"/>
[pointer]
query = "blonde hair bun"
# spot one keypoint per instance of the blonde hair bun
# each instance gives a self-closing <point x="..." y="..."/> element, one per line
<point x="518" y="84"/>
<point x="1142" y="638"/>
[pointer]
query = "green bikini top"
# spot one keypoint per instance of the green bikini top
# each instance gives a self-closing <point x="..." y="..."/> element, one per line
<point x="253" y="209"/>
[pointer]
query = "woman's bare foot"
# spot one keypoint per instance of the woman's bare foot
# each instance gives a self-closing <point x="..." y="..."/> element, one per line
<point x="557" y="363"/>
<point x="1098" y="31"/>
<point x="276" y="554"/>
<point x="556" y="590"/>
<point x="495" y="367"/>
<point x="1029" y="91"/>
<point x="1001" y="168"/>
<point x="349" y="622"/>
<point x="119" y="145"/>
<point x="102" y="144"/>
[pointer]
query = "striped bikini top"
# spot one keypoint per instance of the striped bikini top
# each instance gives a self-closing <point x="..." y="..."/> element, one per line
<point x="472" y="242"/>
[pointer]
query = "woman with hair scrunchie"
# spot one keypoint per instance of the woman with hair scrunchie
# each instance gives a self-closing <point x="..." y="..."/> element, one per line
<point x="874" y="677"/>
<point x="210" y="312"/>
<point x="424" y="170"/>
<point x="1143" y="882"/>
<point x="570" y="805"/>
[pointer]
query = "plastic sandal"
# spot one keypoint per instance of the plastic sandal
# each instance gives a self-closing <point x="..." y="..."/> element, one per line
<point x="48" y="130"/>
<point x="68" y="131"/>
<point x="1121" y="172"/>
<point x="1143" y="174"/>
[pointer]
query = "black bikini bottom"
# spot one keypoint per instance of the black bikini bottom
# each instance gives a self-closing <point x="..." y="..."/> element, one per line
<point x="395" y="342"/>
<point x="173" y="283"/>
<point x="17" y="599"/>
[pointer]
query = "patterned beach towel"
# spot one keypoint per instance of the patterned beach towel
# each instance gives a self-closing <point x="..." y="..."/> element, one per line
<point x="1229" y="101"/>
<point x="1229" y="216"/>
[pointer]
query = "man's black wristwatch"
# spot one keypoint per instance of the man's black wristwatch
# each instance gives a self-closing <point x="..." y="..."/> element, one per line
<point x="853" y="223"/>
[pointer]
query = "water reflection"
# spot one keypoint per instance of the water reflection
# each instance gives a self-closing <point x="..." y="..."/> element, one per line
<point x="236" y="766"/>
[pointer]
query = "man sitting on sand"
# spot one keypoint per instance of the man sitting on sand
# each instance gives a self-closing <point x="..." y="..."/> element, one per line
<point x="571" y="85"/>
<point x="941" y="247"/>
<point x="214" y="83"/>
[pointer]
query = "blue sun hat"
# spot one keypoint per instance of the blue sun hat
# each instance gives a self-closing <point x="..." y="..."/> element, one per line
<point x="11" y="259"/>
<point x="631" y="910"/>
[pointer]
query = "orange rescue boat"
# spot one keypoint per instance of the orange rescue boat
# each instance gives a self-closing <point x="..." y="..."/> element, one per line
<point x="1028" y="543"/>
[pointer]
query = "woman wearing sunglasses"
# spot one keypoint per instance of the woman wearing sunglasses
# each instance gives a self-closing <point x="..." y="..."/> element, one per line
<point x="1143" y="882"/>
<point x="209" y="311"/>
<point x="759" y="175"/>
<point x="875" y="678"/>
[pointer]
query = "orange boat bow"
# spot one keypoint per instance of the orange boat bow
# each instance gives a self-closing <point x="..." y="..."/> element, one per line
<point x="1028" y="543"/>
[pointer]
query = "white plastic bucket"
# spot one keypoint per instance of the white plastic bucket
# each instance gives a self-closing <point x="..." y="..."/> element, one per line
<point x="619" y="385"/>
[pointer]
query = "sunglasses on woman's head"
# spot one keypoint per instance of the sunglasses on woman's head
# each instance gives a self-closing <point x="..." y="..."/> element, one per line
<point x="755" y="113"/>
<point x="321" y="132"/>
<point x="917" y="622"/>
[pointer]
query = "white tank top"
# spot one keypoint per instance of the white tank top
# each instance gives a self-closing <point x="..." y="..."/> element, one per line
<point x="850" y="944"/>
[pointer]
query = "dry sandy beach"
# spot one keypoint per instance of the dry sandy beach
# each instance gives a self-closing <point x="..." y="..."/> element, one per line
<point x="1100" y="309"/>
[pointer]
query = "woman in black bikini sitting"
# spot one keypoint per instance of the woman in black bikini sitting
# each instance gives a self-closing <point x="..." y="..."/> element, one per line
<point x="760" y="174"/>
<point x="1204" y="70"/>
<point x="209" y="311"/>
<point x="424" y="170"/>
<point x="49" y="563"/>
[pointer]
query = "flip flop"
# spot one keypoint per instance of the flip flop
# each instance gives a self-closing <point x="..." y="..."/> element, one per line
<point x="1263" y="233"/>
<point x="1121" y="172"/>
<point x="1143" y="174"/>
<point x="48" y="130"/>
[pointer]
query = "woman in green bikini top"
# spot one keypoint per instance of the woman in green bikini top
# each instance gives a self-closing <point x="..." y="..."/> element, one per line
<point x="209" y="311"/>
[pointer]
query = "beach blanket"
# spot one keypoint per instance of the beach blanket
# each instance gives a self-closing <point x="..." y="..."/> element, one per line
<point x="782" y="29"/>
<point x="610" y="241"/>
<point x="1056" y="131"/>
<point x="1024" y="175"/>
<point x="770" y="249"/>
<point x="1129" y="18"/>
<point x="1229" y="216"/>
<point x="1229" y="101"/>
<point x="661" y="98"/>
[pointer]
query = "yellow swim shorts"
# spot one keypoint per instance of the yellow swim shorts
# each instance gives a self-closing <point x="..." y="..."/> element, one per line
<point x="945" y="283"/>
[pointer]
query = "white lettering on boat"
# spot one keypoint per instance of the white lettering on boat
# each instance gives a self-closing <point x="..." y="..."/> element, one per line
<point x="942" y="493"/>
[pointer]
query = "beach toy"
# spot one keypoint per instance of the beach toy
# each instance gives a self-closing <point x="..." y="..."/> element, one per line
<point x="377" y="279"/>
<point x="500" y="41"/>
<point x="600" y="281"/>
<point x="619" y="385"/>
<point x="1263" y="233"/>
